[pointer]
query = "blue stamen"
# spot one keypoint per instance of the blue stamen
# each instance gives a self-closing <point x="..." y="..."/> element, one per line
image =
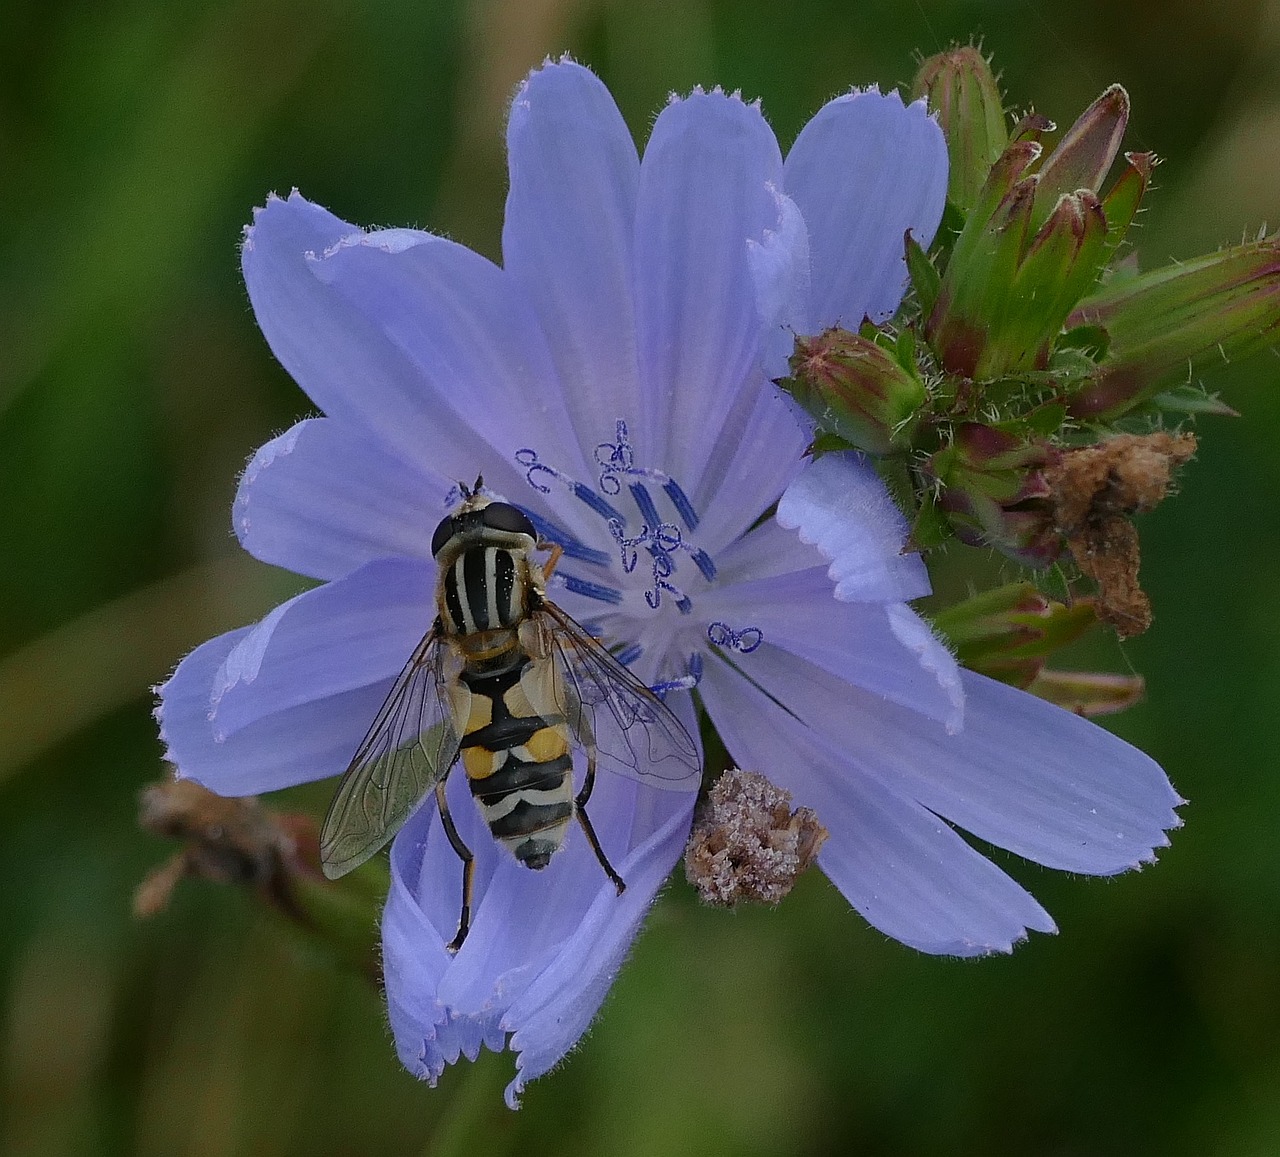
<point x="685" y="682"/>
<point x="572" y="548"/>
<point x="528" y="458"/>
<point x="681" y="502"/>
<point x="591" y="590"/>
<point x="644" y="502"/>
<point x="627" y="546"/>
<point x="744" y="641"/>
<point x="703" y="559"/>
<point x="598" y="504"/>
<point x="629" y="655"/>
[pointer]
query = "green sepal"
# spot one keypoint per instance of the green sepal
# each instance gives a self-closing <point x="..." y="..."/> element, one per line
<point x="925" y="279"/>
<point x="1193" y="400"/>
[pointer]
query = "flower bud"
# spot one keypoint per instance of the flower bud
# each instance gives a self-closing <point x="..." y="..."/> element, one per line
<point x="1008" y="633"/>
<point x="1089" y="693"/>
<point x="1159" y="323"/>
<point x="854" y="388"/>
<point x="1034" y="241"/>
<point x="1085" y="154"/>
<point x="995" y="493"/>
<point x="1011" y="632"/>
<point x="961" y="89"/>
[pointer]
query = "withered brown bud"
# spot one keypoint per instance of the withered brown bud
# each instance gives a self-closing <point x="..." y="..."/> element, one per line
<point x="1095" y="491"/>
<point x="747" y="844"/>
<point x="229" y="841"/>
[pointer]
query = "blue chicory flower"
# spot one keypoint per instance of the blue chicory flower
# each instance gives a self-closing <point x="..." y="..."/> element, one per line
<point x="613" y="378"/>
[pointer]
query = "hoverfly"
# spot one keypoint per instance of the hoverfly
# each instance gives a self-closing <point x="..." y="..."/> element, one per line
<point x="509" y="682"/>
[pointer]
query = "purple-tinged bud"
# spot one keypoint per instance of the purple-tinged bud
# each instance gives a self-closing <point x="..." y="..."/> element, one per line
<point x="856" y="389"/>
<point x="1086" y="152"/>
<point x="1163" y="323"/>
<point x="961" y="89"/>
<point x="1124" y="199"/>
<point x="979" y="275"/>
<point x="1034" y="241"/>
<point x="994" y="492"/>
<point x="1010" y="632"/>
<point x="1089" y="693"/>
<point x="1061" y="264"/>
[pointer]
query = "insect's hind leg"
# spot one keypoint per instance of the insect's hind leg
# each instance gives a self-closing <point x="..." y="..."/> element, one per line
<point x="580" y="809"/>
<point x="468" y="867"/>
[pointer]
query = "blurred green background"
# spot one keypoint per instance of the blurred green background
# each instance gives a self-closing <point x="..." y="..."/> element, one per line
<point x="135" y="138"/>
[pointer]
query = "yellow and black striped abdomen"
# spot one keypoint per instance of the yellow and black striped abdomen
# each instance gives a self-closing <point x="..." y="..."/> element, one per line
<point x="518" y="761"/>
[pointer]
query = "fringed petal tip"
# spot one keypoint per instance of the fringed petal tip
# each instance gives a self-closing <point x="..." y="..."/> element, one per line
<point x="543" y="947"/>
<point x="839" y="505"/>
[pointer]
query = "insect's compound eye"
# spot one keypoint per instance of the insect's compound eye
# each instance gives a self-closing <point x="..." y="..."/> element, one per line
<point x="446" y="530"/>
<point x="503" y="516"/>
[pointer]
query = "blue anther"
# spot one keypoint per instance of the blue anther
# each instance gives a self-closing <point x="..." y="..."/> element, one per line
<point x="629" y="655"/>
<point x="703" y="559"/>
<point x="644" y="502"/>
<point x="591" y="590"/>
<point x="598" y="504"/>
<point x="572" y="548"/>
<point x="685" y="682"/>
<point x="681" y="502"/>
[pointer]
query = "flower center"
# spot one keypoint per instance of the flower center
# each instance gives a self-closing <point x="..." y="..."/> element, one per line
<point x="645" y="543"/>
<point x="647" y="550"/>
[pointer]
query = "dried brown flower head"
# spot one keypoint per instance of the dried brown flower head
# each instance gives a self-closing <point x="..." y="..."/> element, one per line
<point x="747" y="844"/>
<point x="1095" y="492"/>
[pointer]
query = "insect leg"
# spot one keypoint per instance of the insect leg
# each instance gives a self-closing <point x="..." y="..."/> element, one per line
<point x="550" y="565"/>
<point x="468" y="867"/>
<point x="580" y="809"/>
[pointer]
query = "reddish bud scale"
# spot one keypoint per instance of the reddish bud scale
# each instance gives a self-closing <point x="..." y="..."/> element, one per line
<point x="854" y="388"/>
<point x="995" y="493"/>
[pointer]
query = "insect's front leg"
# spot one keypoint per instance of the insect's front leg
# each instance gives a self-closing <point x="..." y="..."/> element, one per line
<point x="555" y="551"/>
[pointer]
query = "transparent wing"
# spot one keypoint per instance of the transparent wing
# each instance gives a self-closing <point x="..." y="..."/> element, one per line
<point x="410" y="746"/>
<point x="608" y="708"/>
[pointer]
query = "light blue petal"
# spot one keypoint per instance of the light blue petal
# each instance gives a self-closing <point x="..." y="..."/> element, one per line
<point x="543" y="946"/>
<point x="839" y="505"/>
<point x="899" y="865"/>
<point x="311" y="741"/>
<point x="1043" y="782"/>
<point x="1023" y="774"/>
<point x="351" y="633"/>
<point x="887" y="650"/>
<point x="568" y="236"/>
<point x="864" y="171"/>
<point x="780" y="267"/>
<point x="707" y="187"/>
<point x="478" y="351"/>
<point x="322" y="500"/>
<point x="338" y="352"/>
